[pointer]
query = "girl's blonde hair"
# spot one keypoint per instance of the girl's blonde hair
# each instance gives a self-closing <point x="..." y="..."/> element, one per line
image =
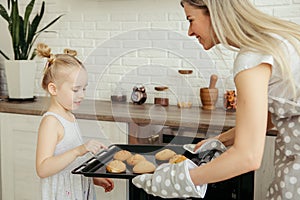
<point x="239" y="22"/>
<point x="56" y="63"/>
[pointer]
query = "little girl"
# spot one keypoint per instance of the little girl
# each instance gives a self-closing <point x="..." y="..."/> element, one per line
<point x="60" y="148"/>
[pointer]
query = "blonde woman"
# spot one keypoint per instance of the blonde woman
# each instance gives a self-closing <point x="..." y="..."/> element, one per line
<point x="267" y="78"/>
<point x="60" y="148"/>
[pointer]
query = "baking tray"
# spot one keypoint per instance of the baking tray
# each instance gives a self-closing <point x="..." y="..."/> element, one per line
<point x="96" y="166"/>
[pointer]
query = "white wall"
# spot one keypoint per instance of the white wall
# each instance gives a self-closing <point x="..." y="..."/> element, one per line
<point x="136" y="41"/>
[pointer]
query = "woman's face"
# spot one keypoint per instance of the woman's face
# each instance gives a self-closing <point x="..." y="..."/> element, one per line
<point x="200" y="25"/>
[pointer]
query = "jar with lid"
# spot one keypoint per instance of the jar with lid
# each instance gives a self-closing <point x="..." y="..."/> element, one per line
<point x="118" y="94"/>
<point x="230" y="96"/>
<point x="184" y="90"/>
<point x="161" y="95"/>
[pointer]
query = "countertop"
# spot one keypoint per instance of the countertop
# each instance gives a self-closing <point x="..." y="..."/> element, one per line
<point x="145" y="114"/>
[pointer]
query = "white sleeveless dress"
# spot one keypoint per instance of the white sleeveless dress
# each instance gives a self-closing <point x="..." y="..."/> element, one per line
<point x="65" y="185"/>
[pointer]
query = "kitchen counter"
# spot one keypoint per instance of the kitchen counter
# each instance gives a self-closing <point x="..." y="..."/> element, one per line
<point x="128" y="112"/>
<point x="142" y="115"/>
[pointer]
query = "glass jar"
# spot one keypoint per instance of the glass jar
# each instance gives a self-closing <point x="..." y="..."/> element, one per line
<point x="118" y="94"/>
<point x="161" y="95"/>
<point x="184" y="91"/>
<point x="230" y="96"/>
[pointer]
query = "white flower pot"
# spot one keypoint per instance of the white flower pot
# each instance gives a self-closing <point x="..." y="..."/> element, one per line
<point x="20" y="76"/>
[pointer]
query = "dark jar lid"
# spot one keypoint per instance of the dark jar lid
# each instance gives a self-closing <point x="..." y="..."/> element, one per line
<point x="185" y="71"/>
<point x="161" y="88"/>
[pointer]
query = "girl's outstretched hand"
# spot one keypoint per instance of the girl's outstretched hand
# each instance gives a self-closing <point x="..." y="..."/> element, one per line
<point x="106" y="183"/>
<point x="94" y="146"/>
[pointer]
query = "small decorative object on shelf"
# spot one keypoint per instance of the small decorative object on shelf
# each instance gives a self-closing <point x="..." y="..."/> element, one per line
<point x="161" y="96"/>
<point x="230" y="100"/>
<point x="209" y="96"/>
<point x="230" y="96"/>
<point x="139" y="95"/>
<point x="118" y="94"/>
<point x="184" y="92"/>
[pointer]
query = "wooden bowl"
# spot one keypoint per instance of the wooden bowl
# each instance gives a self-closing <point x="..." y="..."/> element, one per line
<point x="209" y="97"/>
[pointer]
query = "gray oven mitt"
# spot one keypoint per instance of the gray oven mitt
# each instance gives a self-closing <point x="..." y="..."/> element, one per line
<point x="211" y="149"/>
<point x="173" y="180"/>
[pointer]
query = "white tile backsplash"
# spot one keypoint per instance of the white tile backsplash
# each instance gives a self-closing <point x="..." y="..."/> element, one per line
<point x="134" y="41"/>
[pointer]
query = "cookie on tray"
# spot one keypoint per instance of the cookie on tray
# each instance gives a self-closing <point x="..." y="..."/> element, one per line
<point x="164" y="155"/>
<point x="116" y="166"/>
<point x="143" y="167"/>
<point x="177" y="159"/>
<point x="122" y="155"/>
<point x="133" y="160"/>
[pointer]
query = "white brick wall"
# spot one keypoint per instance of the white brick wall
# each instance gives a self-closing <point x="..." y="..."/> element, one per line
<point x="135" y="41"/>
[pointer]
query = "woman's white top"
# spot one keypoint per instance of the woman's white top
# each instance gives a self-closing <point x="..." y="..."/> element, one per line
<point x="283" y="88"/>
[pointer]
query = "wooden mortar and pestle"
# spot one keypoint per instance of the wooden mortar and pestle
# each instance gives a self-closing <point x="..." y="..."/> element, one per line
<point x="209" y="96"/>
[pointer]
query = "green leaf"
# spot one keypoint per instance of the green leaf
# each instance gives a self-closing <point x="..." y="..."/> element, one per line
<point x="8" y="4"/>
<point x="15" y="28"/>
<point x="32" y="29"/>
<point x="35" y="23"/>
<point x="42" y="10"/>
<point x="5" y="56"/>
<point x="28" y="11"/>
<point x="23" y="42"/>
<point x="4" y="13"/>
<point x="50" y="24"/>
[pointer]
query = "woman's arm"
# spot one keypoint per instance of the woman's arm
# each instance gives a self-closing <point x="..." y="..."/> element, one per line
<point x="251" y="122"/>
<point x="227" y="137"/>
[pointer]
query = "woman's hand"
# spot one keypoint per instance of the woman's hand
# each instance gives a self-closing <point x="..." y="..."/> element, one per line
<point x="107" y="183"/>
<point x="199" y="144"/>
<point x="227" y="138"/>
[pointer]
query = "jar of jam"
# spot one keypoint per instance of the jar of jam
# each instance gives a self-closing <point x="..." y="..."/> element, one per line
<point x="161" y="96"/>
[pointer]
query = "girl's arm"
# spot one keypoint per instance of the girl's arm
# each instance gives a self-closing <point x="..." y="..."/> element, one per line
<point x="49" y="134"/>
<point x="251" y="122"/>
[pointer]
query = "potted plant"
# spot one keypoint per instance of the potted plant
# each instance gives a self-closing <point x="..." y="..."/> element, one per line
<point x="24" y="33"/>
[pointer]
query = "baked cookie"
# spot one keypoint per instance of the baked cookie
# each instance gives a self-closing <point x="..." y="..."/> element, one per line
<point x="133" y="160"/>
<point x="116" y="166"/>
<point x="165" y="154"/>
<point x="177" y="159"/>
<point x="122" y="155"/>
<point x="143" y="167"/>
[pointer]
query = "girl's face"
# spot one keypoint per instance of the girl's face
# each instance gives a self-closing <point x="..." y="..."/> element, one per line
<point x="200" y="25"/>
<point x="71" y="91"/>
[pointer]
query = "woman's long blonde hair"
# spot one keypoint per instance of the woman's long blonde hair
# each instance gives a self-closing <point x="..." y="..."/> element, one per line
<point x="239" y="22"/>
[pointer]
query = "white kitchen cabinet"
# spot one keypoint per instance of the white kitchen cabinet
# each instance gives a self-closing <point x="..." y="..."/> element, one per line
<point x="18" y="144"/>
